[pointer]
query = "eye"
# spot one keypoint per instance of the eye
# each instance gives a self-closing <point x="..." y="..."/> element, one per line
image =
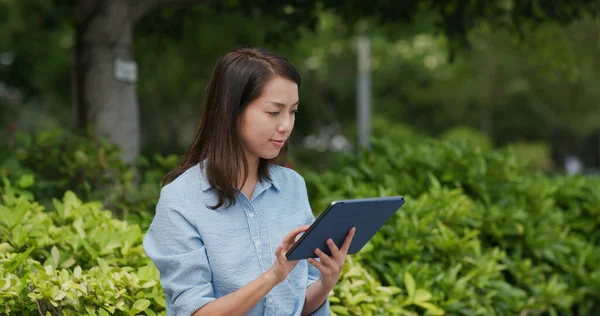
<point x="295" y="112"/>
<point x="273" y="113"/>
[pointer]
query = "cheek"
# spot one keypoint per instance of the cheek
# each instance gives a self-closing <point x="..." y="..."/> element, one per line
<point x="258" y="129"/>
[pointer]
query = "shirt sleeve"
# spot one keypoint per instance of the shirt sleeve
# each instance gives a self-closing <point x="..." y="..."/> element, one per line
<point x="175" y="246"/>
<point x="313" y="273"/>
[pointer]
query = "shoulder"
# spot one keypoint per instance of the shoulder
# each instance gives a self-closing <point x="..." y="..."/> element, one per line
<point x="293" y="191"/>
<point x="286" y="178"/>
<point x="182" y="186"/>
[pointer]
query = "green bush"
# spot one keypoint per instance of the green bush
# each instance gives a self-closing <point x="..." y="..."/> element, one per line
<point x="536" y="154"/>
<point x="59" y="161"/>
<point x="482" y="233"/>
<point x="76" y="259"/>
<point x="469" y="135"/>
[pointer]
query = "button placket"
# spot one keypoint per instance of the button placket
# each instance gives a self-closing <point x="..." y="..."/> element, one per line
<point x="255" y="232"/>
<point x="266" y="253"/>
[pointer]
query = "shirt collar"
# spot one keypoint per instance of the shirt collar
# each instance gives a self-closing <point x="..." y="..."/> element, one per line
<point x="260" y="186"/>
<point x="204" y="184"/>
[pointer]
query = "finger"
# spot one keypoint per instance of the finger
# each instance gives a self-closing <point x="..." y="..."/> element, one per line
<point x="325" y="259"/>
<point x="335" y="251"/>
<point x="280" y="250"/>
<point x="348" y="240"/>
<point x="288" y="240"/>
<point x="316" y="264"/>
<point x="282" y="259"/>
<point x="279" y="253"/>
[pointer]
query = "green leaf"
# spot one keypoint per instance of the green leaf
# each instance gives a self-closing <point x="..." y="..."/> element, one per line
<point x="431" y="309"/>
<point x="78" y="225"/>
<point x="148" y="284"/>
<point x="359" y="298"/>
<point x="59" y="207"/>
<point x="340" y="310"/>
<point x="354" y="272"/>
<point x="11" y="217"/>
<point x="68" y="263"/>
<point x="409" y="282"/>
<point x="55" y="253"/>
<point x="103" y="265"/>
<point x="64" y="274"/>
<point x="90" y="309"/>
<point x="148" y="272"/>
<point x="150" y="312"/>
<point x="139" y="306"/>
<point x="19" y="236"/>
<point x="89" y="249"/>
<point x="77" y="272"/>
<point x="161" y="301"/>
<point x="59" y="296"/>
<point x="26" y="181"/>
<point x="422" y="295"/>
<point x="16" y="261"/>
<point x="70" y="285"/>
<point x="391" y="290"/>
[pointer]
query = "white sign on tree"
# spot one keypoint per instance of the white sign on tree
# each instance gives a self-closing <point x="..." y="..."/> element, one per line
<point x="125" y="70"/>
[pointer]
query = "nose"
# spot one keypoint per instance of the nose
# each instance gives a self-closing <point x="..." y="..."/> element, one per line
<point x="286" y="124"/>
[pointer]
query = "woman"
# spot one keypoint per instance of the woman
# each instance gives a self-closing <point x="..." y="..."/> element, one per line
<point x="229" y="214"/>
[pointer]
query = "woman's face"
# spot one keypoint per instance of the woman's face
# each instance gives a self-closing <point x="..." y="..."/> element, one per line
<point x="268" y="121"/>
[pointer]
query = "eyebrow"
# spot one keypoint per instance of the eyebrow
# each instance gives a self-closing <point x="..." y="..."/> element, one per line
<point x="281" y="105"/>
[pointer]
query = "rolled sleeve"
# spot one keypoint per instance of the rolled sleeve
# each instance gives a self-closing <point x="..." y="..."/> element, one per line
<point x="175" y="246"/>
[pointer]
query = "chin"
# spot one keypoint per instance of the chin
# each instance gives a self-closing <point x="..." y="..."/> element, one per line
<point x="270" y="155"/>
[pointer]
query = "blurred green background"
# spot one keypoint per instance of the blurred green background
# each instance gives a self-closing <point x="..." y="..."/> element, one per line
<point x="517" y="72"/>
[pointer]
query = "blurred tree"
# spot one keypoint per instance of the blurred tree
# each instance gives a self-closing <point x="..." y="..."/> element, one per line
<point x="540" y="89"/>
<point x="100" y="33"/>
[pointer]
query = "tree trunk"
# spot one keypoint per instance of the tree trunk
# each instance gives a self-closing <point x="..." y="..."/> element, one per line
<point x="102" y="101"/>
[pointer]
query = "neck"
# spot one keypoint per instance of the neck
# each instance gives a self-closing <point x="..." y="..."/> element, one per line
<point x="252" y="172"/>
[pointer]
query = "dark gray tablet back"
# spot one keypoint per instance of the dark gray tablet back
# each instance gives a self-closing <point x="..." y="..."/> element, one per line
<point x="367" y="215"/>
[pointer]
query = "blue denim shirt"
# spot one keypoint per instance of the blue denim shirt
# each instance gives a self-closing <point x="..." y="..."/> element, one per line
<point x="204" y="254"/>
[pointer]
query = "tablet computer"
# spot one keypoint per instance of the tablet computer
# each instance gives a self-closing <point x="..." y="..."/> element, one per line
<point x="367" y="215"/>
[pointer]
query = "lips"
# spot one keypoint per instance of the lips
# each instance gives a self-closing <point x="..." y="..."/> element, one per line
<point x="278" y="143"/>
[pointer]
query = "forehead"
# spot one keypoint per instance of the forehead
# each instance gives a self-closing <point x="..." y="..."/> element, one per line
<point x="281" y="90"/>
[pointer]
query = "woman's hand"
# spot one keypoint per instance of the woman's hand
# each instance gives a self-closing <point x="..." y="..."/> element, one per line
<point x="282" y="267"/>
<point x="331" y="267"/>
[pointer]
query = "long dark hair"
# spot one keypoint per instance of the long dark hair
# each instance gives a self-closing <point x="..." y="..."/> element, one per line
<point x="238" y="79"/>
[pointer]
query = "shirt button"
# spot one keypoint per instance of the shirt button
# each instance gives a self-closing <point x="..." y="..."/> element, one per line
<point x="251" y="214"/>
<point x="257" y="243"/>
